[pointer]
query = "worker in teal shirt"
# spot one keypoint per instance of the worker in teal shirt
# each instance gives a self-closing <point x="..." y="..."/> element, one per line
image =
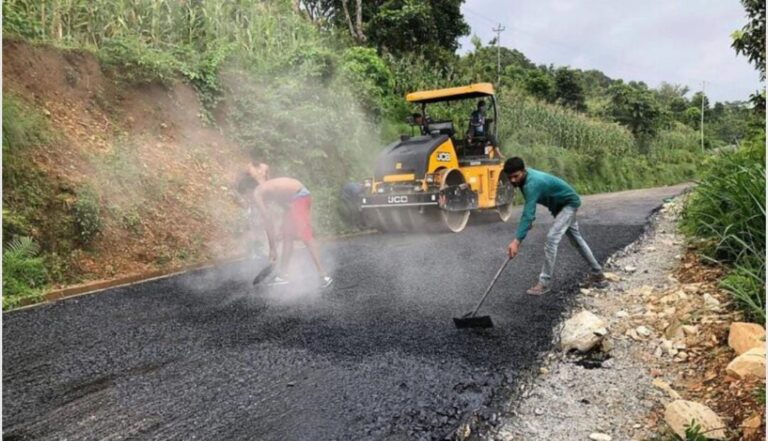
<point x="563" y="202"/>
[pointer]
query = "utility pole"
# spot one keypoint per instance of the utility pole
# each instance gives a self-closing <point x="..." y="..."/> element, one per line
<point x="498" y="30"/>
<point x="703" y="84"/>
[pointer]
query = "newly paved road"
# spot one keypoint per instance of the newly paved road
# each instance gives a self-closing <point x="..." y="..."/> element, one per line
<point x="203" y="356"/>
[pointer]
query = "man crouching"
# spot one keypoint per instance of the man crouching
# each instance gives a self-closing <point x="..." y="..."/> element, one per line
<point x="296" y="202"/>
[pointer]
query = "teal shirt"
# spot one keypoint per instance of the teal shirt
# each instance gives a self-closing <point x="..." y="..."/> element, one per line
<point x="547" y="190"/>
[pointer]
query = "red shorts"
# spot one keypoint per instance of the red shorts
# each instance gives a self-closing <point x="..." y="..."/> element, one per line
<point x="296" y="220"/>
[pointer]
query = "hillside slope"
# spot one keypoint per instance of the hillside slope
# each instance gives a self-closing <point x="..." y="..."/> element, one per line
<point x="159" y="179"/>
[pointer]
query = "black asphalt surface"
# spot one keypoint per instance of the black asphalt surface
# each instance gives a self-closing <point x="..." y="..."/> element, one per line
<point x="376" y="356"/>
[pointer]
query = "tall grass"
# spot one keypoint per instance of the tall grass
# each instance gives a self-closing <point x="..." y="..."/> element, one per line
<point x="727" y="214"/>
<point x="527" y="121"/>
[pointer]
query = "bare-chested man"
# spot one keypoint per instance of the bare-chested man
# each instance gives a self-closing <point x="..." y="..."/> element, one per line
<point x="296" y="202"/>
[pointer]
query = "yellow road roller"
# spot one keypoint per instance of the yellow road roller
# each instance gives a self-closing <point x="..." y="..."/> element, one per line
<point x="433" y="181"/>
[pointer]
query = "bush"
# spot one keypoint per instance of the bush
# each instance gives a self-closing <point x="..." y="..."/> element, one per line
<point x="24" y="274"/>
<point x="726" y="213"/>
<point x="137" y="62"/>
<point x="369" y="75"/>
<point x="87" y="214"/>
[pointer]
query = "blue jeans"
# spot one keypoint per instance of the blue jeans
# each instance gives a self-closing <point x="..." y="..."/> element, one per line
<point x="565" y="223"/>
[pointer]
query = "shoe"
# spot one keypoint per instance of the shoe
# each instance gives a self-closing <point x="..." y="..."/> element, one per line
<point x="538" y="290"/>
<point x="325" y="281"/>
<point x="597" y="281"/>
<point x="278" y="281"/>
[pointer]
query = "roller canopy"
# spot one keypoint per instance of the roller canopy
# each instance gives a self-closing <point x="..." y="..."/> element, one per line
<point x="477" y="90"/>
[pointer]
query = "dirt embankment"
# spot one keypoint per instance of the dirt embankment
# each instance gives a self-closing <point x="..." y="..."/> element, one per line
<point x="163" y="178"/>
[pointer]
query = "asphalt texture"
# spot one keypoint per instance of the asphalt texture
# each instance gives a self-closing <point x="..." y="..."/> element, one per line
<point x="375" y="356"/>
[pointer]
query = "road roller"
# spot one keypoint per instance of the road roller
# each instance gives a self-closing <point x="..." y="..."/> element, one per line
<point x="433" y="180"/>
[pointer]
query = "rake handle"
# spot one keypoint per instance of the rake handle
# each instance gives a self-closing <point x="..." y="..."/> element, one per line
<point x="493" y="282"/>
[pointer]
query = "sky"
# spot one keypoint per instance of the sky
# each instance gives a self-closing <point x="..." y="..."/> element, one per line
<point x="678" y="41"/>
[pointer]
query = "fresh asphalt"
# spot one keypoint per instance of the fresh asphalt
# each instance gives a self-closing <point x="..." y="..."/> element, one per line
<point x="375" y="356"/>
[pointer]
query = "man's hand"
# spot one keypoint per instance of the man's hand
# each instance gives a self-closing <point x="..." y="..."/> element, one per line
<point x="513" y="248"/>
<point x="272" y="255"/>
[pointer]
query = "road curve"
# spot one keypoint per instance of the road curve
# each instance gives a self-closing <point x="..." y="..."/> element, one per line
<point x="204" y="356"/>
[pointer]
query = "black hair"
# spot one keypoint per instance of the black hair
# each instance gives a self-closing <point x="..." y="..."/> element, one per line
<point x="246" y="183"/>
<point x="513" y="165"/>
<point x="480" y="103"/>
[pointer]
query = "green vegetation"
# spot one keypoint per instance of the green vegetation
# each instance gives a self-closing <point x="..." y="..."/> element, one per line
<point x="87" y="216"/>
<point x="24" y="274"/>
<point x="726" y="213"/>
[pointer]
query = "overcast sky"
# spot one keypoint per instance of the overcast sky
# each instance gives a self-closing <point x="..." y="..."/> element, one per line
<point x="678" y="41"/>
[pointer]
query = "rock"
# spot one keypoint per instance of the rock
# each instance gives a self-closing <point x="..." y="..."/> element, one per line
<point x="679" y="414"/>
<point x="582" y="332"/>
<point x="674" y="331"/>
<point x="658" y="352"/>
<point x="745" y="336"/>
<point x="643" y="331"/>
<point x="748" y="364"/>
<point x="607" y="345"/>
<point x="543" y="371"/>
<point x="630" y="269"/>
<point x="585" y="291"/>
<point x="597" y="436"/>
<point x="710" y="301"/>
<point x="690" y="330"/>
<point x="669" y="298"/>
<point x="611" y="277"/>
<point x="632" y="333"/>
<point x="663" y="385"/>
<point x="650" y="249"/>
<point x="752" y="425"/>
<point x="538" y="411"/>
<point x="621" y="314"/>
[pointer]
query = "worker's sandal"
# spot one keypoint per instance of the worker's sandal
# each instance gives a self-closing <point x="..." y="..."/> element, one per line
<point x="278" y="281"/>
<point x="325" y="281"/>
<point x="538" y="290"/>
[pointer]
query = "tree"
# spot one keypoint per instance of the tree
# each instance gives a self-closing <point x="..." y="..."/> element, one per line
<point x="635" y="108"/>
<point x="696" y="101"/>
<point x="750" y="41"/>
<point x="425" y="27"/>
<point x="568" y="91"/>
<point x="540" y="84"/>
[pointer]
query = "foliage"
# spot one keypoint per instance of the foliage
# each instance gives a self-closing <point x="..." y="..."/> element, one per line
<point x="531" y="122"/>
<point x="568" y="91"/>
<point x="693" y="432"/>
<point x="369" y="75"/>
<point x="24" y="274"/>
<point x="87" y="215"/>
<point x="634" y="108"/>
<point x="750" y="40"/>
<point x="727" y="213"/>
<point x="22" y="126"/>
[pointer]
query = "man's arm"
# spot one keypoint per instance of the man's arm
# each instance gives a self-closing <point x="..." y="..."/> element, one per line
<point x="526" y="221"/>
<point x="269" y="227"/>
